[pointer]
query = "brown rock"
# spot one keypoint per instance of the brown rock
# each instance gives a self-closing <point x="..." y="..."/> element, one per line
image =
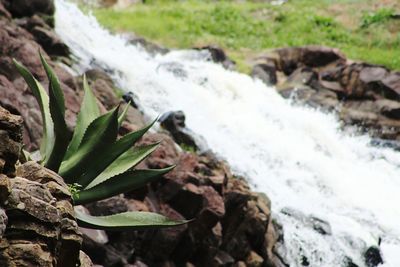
<point x="254" y="260"/>
<point x="84" y="260"/>
<point x="50" y="42"/>
<point x="291" y="58"/>
<point x="26" y="8"/>
<point x="266" y="72"/>
<point x="4" y="12"/>
<point x="392" y="81"/>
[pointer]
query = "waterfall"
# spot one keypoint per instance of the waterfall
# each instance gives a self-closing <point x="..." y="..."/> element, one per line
<point x="312" y="171"/>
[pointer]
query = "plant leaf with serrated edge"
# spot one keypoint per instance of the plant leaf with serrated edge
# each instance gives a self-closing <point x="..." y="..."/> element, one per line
<point x="54" y="85"/>
<point x="57" y="111"/>
<point x="88" y="113"/>
<point x="126" y="221"/>
<point x="119" y="184"/>
<point x="124" y="162"/>
<point x="121" y="117"/>
<point x="100" y="134"/>
<point x="108" y="154"/>
<point x="42" y="98"/>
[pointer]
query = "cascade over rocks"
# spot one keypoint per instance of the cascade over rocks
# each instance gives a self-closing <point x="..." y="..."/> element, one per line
<point x="362" y="94"/>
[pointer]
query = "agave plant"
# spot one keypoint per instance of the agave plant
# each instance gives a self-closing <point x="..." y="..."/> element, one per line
<point x="92" y="161"/>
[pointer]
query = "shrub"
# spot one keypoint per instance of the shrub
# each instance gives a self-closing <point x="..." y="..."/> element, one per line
<point x="379" y="16"/>
<point x="92" y="161"/>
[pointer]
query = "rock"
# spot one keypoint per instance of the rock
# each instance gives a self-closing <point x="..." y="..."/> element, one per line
<point x="218" y="55"/>
<point x="84" y="260"/>
<point x="10" y="138"/>
<point x="50" y="42"/>
<point x="291" y="58"/>
<point x="392" y="82"/>
<point x="31" y="208"/>
<point x="109" y="206"/>
<point x="150" y="47"/>
<point x="223" y="259"/>
<point x="3" y="222"/>
<point x="27" y="8"/>
<point x="165" y="155"/>
<point x="4" y="12"/>
<point x="265" y="72"/>
<point x="96" y="235"/>
<point x="103" y="87"/>
<point x="254" y="260"/>
<point x="373" y="256"/>
<point x="130" y="97"/>
<point x="303" y="76"/>
<point x="174" y="122"/>
<point x="321" y="226"/>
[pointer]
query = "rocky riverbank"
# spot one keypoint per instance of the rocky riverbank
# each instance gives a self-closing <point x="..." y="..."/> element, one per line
<point x="361" y="94"/>
<point x="232" y="225"/>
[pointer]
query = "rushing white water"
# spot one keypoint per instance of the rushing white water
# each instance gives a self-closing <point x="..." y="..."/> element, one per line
<point x="296" y="155"/>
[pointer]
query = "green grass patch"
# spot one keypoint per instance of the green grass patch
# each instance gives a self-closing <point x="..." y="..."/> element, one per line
<point x="246" y="29"/>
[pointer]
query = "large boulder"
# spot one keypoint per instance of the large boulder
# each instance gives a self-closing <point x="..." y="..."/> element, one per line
<point x="37" y="222"/>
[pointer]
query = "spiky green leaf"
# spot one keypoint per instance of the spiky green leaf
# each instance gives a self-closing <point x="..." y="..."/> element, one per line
<point x="121" y="117"/>
<point x="88" y="113"/>
<point x="110" y="153"/>
<point x="126" y="221"/>
<point x="57" y="111"/>
<point x="100" y="135"/>
<point x="42" y="98"/>
<point x="54" y="85"/>
<point x="119" y="184"/>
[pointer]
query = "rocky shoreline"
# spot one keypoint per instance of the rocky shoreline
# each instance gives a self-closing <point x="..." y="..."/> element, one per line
<point x="361" y="94"/>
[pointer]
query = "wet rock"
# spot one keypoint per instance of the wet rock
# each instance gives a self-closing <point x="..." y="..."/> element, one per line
<point x="218" y="55"/>
<point x="373" y="257"/>
<point x="174" y="122"/>
<point x="150" y="47"/>
<point x="130" y="97"/>
<point x="319" y="225"/>
<point x="266" y="72"/>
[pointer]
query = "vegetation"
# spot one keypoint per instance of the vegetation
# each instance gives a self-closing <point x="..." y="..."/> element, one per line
<point x="363" y="29"/>
<point x="91" y="160"/>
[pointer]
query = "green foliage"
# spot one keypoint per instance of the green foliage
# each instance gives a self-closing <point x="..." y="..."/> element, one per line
<point x="188" y="148"/>
<point x="94" y="163"/>
<point x="379" y="16"/>
<point x="245" y="28"/>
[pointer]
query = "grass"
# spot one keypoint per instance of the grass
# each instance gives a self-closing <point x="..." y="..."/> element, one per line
<point x="363" y="29"/>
